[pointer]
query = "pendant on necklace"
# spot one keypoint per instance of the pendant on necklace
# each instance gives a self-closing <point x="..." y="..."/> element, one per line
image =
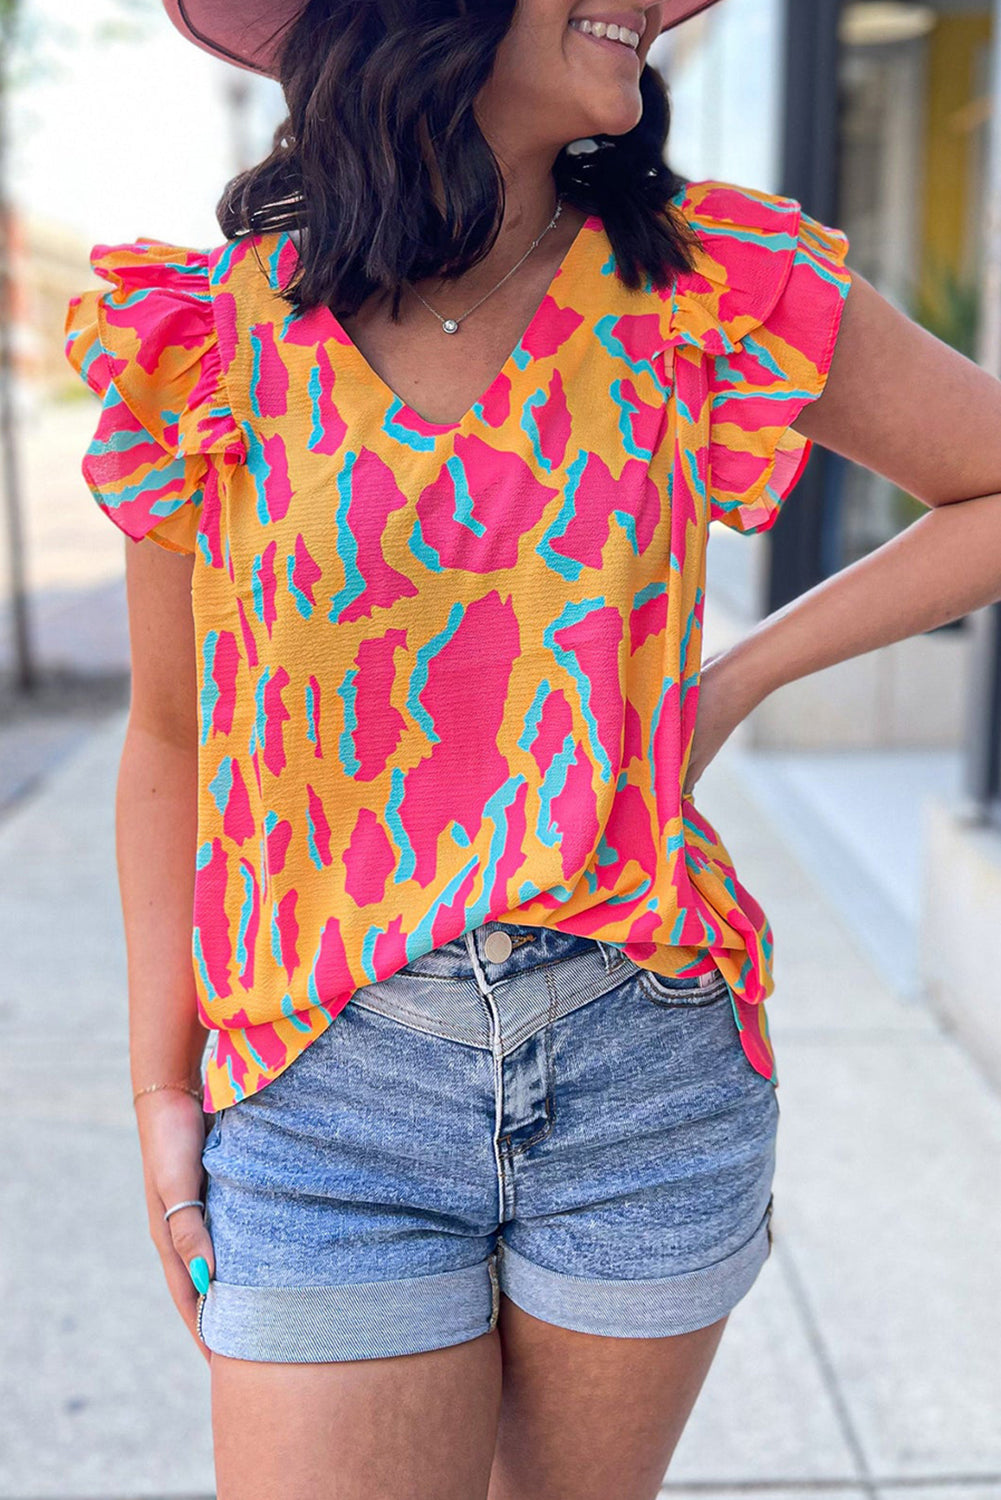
<point x="450" y="325"/>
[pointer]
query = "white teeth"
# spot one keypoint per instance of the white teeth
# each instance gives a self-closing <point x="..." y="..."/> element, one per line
<point x="609" y="30"/>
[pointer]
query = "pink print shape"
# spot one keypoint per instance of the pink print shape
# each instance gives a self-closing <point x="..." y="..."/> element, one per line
<point x="238" y="822"/>
<point x="482" y="650"/>
<point x="278" y="841"/>
<point x="255" y="761"/>
<point x="225" y="663"/>
<point x="550" y="328"/>
<point x="228" y="1060"/>
<point x="514" y="855"/>
<point x="449" y="919"/>
<point x="278" y="489"/>
<point x="368" y="860"/>
<point x="288" y="932"/>
<point x="306" y="571"/>
<point x="646" y="620"/>
<point x="211" y="920"/>
<point x="330" y="979"/>
<point x="598" y="494"/>
<point x="269" y="390"/>
<point x="249" y="642"/>
<point x="554" y="727"/>
<point x="315" y="711"/>
<point x="321" y="828"/>
<point x="632" y="740"/>
<point x="690" y="466"/>
<point x="552" y="421"/>
<point x="752" y="1040"/>
<point x="495" y="405"/>
<point x="642" y="940"/>
<point x="308" y="328"/>
<point x="266" y="587"/>
<point x="641" y="336"/>
<point x="593" y="641"/>
<point x="374" y="495"/>
<point x="326" y="416"/>
<point x="666" y="753"/>
<point x="276" y="715"/>
<point x="249" y="877"/>
<point x="210" y="523"/>
<point x="646" y="421"/>
<point x="265" y="1041"/>
<point x="573" y="815"/>
<point x="466" y="513"/>
<point x="224" y="307"/>
<point x="159" y="324"/>
<point x="629" y="834"/>
<point x="380" y="725"/>
<point x="389" y="951"/>
<point x="288" y="260"/>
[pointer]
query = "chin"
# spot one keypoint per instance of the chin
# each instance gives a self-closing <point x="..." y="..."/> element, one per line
<point x="614" y="121"/>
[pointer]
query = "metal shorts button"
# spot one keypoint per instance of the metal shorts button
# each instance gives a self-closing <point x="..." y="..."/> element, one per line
<point x="498" y="947"/>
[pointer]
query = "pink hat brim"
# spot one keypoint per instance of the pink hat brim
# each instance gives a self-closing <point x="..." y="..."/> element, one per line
<point x="249" y="33"/>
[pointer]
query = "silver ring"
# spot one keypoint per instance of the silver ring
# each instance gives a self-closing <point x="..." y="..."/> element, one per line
<point x="188" y="1203"/>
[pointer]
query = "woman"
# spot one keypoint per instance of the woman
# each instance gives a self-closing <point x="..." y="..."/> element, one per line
<point x="416" y="666"/>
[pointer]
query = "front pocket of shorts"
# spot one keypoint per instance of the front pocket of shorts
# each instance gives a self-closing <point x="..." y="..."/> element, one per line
<point x="215" y="1134"/>
<point x="682" y="992"/>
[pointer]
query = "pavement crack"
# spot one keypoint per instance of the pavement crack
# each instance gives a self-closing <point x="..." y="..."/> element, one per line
<point x="828" y="1374"/>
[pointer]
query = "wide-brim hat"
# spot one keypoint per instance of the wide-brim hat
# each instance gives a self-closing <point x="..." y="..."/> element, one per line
<point x="250" y="33"/>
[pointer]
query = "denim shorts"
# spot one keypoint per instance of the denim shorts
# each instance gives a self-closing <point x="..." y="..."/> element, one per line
<point x="520" y="1111"/>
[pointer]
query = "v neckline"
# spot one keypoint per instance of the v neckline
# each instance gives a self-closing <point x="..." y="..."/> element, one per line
<point x="400" y="410"/>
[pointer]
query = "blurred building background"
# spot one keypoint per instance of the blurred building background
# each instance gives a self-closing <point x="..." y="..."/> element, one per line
<point x="881" y="118"/>
<point x="115" y="129"/>
<point x="91" y="163"/>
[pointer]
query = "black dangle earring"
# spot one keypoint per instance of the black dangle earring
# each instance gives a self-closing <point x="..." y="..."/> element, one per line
<point x="582" y="156"/>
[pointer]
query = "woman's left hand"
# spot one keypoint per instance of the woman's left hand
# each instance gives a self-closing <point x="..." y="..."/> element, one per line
<point x="726" y="696"/>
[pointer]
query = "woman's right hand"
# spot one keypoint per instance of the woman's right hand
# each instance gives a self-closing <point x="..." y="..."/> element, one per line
<point x="171" y="1137"/>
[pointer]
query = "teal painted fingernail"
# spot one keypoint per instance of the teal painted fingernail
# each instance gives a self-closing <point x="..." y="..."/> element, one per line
<point x="199" y="1269"/>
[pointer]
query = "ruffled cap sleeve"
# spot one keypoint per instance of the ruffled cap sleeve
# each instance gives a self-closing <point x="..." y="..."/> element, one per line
<point x="764" y="304"/>
<point x="149" y="348"/>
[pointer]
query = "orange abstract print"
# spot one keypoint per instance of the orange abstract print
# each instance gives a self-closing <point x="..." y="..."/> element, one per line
<point x="449" y="672"/>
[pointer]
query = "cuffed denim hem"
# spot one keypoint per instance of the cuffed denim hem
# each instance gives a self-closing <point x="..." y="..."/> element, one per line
<point x="642" y="1308"/>
<point x="363" y="1320"/>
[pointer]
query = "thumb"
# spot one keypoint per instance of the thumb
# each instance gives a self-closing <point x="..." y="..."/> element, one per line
<point x="191" y="1241"/>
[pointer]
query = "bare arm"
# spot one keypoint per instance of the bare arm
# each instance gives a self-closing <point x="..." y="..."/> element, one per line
<point x="907" y="406"/>
<point x="942" y="566"/>
<point x="156" y="835"/>
<point x="156" y="819"/>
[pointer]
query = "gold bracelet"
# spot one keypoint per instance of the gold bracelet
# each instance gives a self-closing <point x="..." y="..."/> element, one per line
<point x="151" y="1089"/>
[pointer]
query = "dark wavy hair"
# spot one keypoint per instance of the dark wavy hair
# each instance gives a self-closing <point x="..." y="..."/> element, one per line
<point x="383" y="170"/>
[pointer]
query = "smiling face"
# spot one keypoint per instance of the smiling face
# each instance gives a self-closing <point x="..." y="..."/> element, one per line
<point x="569" y="68"/>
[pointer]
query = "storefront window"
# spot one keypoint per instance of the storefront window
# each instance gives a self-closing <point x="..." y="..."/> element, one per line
<point x="914" y="124"/>
<point x="724" y="71"/>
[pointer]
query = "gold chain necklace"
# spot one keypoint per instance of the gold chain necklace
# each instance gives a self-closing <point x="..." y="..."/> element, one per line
<point x="451" y="325"/>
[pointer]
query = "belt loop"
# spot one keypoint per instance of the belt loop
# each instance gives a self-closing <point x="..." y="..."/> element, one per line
<point x="482" y="983"/>
<point x="606" y="953"/>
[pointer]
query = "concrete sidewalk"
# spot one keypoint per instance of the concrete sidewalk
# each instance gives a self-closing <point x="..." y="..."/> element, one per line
<point x="865" y="1361"/>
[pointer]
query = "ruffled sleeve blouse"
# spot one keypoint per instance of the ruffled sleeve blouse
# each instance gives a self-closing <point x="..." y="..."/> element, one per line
<point x="449" y="672"/>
